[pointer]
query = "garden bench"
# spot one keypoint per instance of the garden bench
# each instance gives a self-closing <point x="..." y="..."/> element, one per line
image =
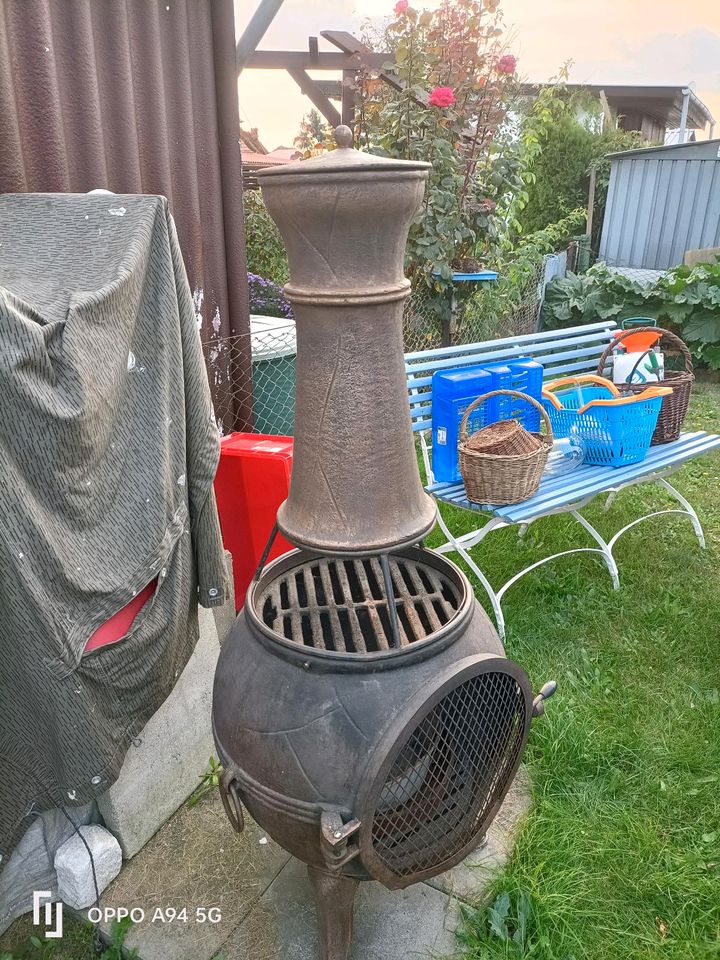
<point x="573" y="351"/>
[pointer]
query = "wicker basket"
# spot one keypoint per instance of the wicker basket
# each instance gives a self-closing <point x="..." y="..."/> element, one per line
<point x="502" y="478"/>
<point x="503" y="436"/>
<point x="675" y="405"/>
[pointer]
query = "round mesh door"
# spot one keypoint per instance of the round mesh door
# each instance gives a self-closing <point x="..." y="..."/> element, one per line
<point x="442" y="781"/>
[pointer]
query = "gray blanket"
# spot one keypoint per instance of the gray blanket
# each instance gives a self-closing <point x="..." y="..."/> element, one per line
<point x="108" y="449"/>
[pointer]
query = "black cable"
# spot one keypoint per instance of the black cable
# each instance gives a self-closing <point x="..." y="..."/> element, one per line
<point x="97" y="938"/>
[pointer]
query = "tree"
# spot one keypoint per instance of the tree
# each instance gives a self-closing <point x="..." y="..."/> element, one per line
<point x="561" y="171"/>
<point x="314" y="132"/>
<point x="457" y="81"/>
<point x="559" y="154"/>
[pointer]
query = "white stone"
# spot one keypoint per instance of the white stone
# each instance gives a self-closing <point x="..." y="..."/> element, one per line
<point x="75" y="880"/>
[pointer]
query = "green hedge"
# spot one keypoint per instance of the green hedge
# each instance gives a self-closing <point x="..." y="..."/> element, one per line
<point x="685" y="299"/>
<point x="265" y="250"/>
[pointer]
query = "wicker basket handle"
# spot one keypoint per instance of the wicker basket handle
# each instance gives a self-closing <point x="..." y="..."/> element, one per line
<point x="664" y="335"/>
<point x="504" y="393"/>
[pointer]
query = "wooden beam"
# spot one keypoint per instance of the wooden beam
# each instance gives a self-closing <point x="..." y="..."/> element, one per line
<point x="591" y="200"/>
<point x="313" y="48"/>
<point x="348" y="98"/>
<point x="310" y="88"/>
<point x="301" y="60"/>
<point x="333" y="89"/>
<point x="369" y="59"/>
<point x="255" y="31"/>
<point x="607" y="110"/>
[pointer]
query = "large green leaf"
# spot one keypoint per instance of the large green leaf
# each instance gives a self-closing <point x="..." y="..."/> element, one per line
<point x="703" y="326"/>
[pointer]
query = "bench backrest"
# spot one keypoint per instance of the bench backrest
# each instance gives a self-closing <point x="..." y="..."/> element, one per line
<point x="562" y="353"/>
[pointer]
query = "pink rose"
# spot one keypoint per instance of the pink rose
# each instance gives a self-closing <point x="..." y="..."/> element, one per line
<point x="487" y="205"/>
<point x="507" y="64"/>
<point x="441" y="97"/>
<point x="401" y="6"/>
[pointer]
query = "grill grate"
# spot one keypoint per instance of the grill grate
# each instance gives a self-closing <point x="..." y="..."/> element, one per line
<point x="449" y="774"/>
<point x="340" y="605"/>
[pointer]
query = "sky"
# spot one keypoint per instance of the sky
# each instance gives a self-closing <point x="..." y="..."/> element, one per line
<point x="609" y="41"/>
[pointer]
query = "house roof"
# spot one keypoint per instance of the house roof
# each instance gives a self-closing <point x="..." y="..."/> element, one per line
<point x="662" y="103"/>
<point x="257" y="160"/>
<point x="286" y="153"/>
<point x="695" y="150"/>
<point x="250" y="140"/>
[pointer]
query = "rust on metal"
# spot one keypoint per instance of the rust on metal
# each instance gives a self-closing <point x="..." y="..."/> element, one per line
<point x="342" y="605"/>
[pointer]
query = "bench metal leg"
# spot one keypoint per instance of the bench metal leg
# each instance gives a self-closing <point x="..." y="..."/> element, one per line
<point x="461" y="545"/>
<point x="539" y="563"/>
<point x="605" y="549"/>
<point x="688" y="511"/>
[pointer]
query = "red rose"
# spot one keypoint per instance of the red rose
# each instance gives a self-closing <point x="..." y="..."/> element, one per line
<point x="441" y="97"/>
<point x="507" y="64"/>
<point x="401" y="6"/>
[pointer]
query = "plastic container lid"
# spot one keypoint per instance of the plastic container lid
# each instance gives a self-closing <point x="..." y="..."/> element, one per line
<point x="342" y="160"/>
<point x="272" y="337"/>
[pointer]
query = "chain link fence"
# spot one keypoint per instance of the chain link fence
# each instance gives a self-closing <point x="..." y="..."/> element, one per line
<point x="490" y="311"/>
<point x="252" y="376"/>
<point x="259" y="396"/>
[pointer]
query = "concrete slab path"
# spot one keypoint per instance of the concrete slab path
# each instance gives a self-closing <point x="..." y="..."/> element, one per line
<point x="197" y="870"/>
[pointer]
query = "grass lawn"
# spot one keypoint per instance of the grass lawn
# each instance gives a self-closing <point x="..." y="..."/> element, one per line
<point x="620" y="857"/>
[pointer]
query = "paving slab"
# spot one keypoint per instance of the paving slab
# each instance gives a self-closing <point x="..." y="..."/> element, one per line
<point x="389" y="924"/>
<point x="194" y="862"/>
<point x="266" y="901"/>
<point x="418" y="922"/>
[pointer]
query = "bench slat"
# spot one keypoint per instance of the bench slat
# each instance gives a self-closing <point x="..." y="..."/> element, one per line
<point x="562" y="352"/>
<point x="586" y="480"/>
<point x="539" y="337"/>
<point x="558" y="361"/>
<point x="490" y="353"/>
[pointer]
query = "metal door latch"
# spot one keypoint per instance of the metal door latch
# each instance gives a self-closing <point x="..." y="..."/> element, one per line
<point x="335" y="835"/>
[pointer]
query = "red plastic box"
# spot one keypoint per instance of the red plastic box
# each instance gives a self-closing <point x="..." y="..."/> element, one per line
<point x="252" y="480"/>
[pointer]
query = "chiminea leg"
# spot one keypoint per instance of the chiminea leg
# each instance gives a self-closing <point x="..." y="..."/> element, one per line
<point x="334" y="895"/>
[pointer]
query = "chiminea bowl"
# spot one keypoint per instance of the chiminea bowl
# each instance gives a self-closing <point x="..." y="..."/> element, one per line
<point x="382" y="763"/>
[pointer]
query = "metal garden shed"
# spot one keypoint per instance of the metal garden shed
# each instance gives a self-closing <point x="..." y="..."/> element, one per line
<point x="662" y="201"/>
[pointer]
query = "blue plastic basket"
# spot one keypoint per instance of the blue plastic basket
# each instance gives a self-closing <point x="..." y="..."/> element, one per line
<point x="612" y="429"/>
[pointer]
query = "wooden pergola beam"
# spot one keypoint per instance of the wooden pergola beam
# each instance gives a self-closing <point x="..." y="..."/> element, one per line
<point x="312" y="90"/>
<point x="255" y="31"/>
<point x="301" y="60"/>
<point x="365" y="57"/>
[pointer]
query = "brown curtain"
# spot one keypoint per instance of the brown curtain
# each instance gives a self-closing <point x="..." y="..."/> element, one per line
<point x="139" y="96"/>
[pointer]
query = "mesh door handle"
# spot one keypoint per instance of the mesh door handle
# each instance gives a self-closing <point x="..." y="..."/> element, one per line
<point x="546" y="691"/>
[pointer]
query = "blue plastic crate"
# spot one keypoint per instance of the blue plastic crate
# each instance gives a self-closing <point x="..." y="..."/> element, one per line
<point x="454" y="390"/>
<point x="526" y="376"/>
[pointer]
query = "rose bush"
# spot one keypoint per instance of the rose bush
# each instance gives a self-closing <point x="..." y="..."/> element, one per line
<point x="441" y="97"/>
<point x="456" y="84"/>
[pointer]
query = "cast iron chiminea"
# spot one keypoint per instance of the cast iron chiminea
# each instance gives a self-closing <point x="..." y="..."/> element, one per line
<point x="364" y="710"/>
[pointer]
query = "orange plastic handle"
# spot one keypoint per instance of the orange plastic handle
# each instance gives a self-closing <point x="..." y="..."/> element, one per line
<point x="583" y="378"/>
<point x="648" y="394"/>
<point x="576" y="381"/>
